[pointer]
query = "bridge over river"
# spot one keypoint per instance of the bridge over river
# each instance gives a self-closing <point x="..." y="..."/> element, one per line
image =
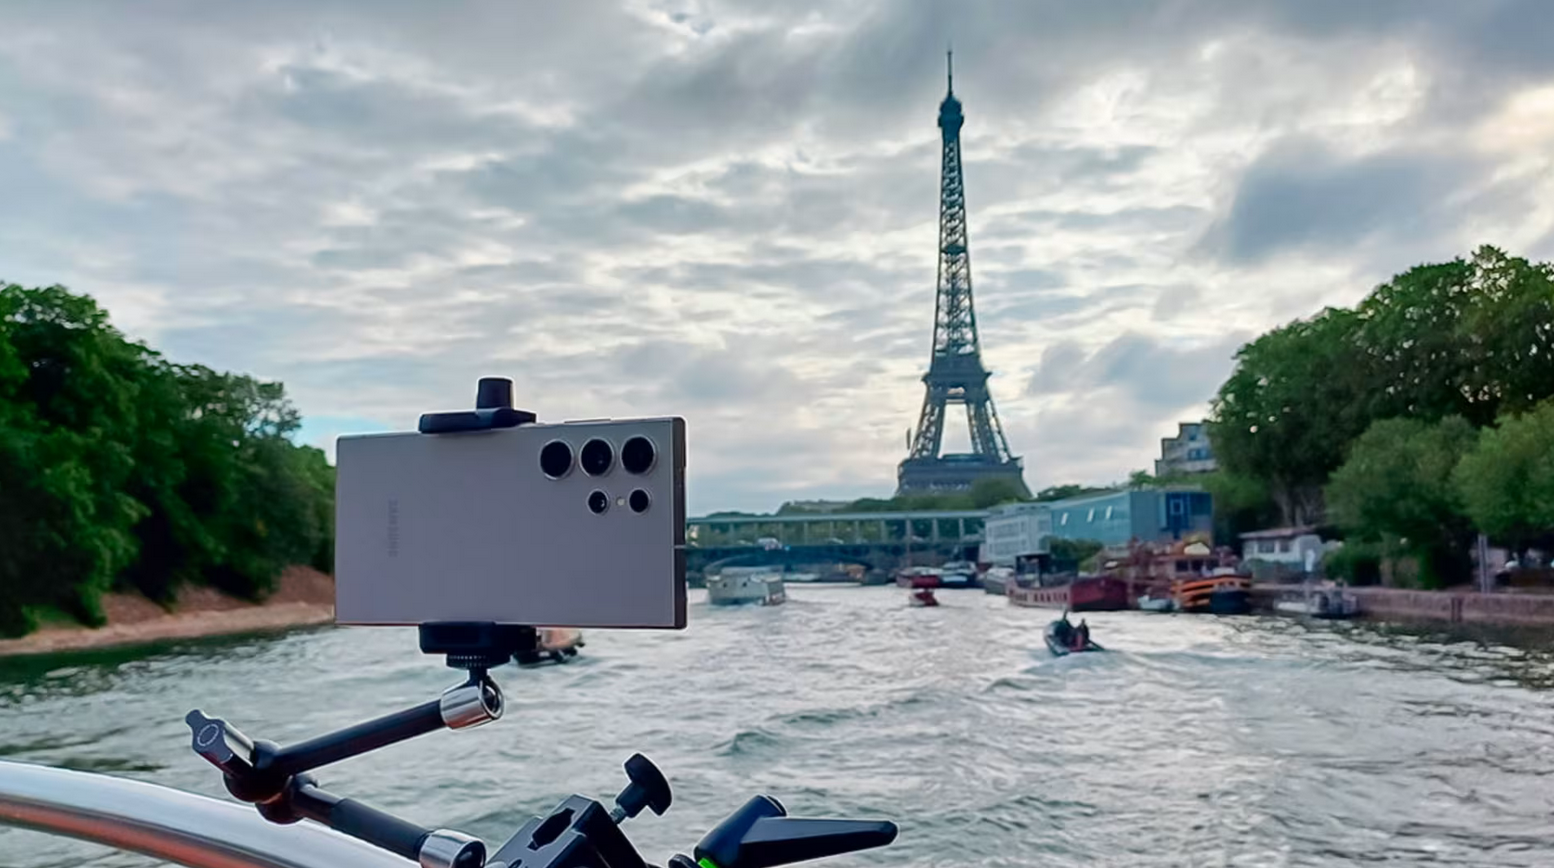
<point x="876" y="540"/>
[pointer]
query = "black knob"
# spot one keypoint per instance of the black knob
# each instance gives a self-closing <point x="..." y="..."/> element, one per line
<point x="221" y="744"/>
<point x="494" y="393"/>
<point x="647" y="788"/>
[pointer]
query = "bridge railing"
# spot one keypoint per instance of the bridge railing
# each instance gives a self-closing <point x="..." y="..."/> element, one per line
<point x="839" y="528"/>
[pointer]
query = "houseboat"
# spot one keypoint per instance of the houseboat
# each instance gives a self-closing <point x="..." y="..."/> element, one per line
<point x="1223" y="592"/>
<point x="1156" y="573"/>
<point x="743" y="586"/>
<point x="1086" y="594"/>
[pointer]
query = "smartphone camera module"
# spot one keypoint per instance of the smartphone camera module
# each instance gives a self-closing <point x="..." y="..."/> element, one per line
<point x="598" y="502"/>
<point x="639" y="501"/>
<point x="638" y="455"/>
<point x="596" y="457"/>
<point x="556" y="459"/>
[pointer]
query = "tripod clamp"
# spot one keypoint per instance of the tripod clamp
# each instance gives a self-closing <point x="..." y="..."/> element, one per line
<point x="275" y="779"/>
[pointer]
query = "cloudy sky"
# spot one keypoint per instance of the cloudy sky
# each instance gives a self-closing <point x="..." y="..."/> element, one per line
<point x="726" y="209"/>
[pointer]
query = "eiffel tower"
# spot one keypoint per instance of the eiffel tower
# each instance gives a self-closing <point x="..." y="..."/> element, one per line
<point x="955" y="373"/>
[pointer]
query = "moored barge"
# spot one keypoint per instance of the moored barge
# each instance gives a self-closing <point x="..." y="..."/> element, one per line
<point x="1089" y="594"/>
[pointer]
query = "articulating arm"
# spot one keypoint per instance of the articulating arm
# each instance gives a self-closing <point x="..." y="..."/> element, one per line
<point x="274" y="778"/>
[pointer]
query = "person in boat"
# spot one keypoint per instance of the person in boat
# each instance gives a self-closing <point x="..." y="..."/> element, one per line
<point x="1081" y="636"/>
<point x="1064" y="631"/>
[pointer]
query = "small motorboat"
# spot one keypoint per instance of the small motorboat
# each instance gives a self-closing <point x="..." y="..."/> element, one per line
<point x="958" y="574"/>
<point x="1328" y="602"/>
<point x="551" y="645"/>
<point x="1151" y="602"/>
<point x="1063" y="638"/>
<point x="922" y="597"/>
<point x="1335" y="604"/>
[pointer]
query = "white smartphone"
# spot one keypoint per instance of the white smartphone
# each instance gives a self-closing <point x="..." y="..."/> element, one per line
<point x="577" y="524"/>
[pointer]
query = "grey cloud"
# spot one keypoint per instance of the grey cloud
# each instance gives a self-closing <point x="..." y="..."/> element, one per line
<point x="1042" y="307"/>
<point x="1503" y="37"/>
<point x="750" y="88"/>
<point x="1065" y="443"/>
<point x="999" y="254"/>
<point x="397" y="236"/>
<point x="1025" y="278"/>
<point x="834" y="280"/>
<point x="1006" y="316"/>
<point x="1176" y="217"/>
<point x="1149" y="371"/>
<point x="1176" y="302"/>
<point x="675" y="215"/>
<point x="374" y="114"/>
<point x="1300" y="195"/>
<point x="556" y="171"/>
<point x="546" y="272"/>
<point x="1032" y="170"/>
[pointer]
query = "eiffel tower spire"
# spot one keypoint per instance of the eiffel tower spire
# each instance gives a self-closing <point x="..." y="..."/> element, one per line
<point x="955" y="372"/>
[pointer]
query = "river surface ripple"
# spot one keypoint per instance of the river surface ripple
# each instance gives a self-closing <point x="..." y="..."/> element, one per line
<point x="1198" y="741"/>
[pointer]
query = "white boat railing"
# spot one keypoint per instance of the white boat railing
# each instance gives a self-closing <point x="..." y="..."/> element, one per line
<point x="170" y="824"/>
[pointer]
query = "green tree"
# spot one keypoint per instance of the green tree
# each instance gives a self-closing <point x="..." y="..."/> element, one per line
<point x="1471" y="338"/>
<point x="991" y="492"/>
<point x="120" y="469"/>
<point x="1396" y="488"/>
<point x="1291" y="407"/>
<point x="1064" y="492"/>
<point x="1507" y="480"/>
<point x="68" y="447"/>
<point x="913" y="503"/>
<point x="1069" y="555"/>
<point x="1241" y="504"/>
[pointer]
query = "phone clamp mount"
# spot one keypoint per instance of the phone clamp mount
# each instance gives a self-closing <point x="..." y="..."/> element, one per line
<point x="578" y="833"/>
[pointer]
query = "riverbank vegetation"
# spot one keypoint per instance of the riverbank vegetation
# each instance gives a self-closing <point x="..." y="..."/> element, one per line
<point x="123" y="470"/>
<point x="1411" y="422"/>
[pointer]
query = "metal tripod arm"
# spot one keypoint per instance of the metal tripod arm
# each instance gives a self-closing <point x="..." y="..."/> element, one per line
<point x="274" y="778"/>
<point x="259" y="769"/>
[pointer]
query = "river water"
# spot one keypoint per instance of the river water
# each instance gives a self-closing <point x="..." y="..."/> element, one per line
<point x="1198" y="741"/>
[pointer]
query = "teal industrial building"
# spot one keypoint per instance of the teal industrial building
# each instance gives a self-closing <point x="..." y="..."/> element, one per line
<point x="1113" y="518"/>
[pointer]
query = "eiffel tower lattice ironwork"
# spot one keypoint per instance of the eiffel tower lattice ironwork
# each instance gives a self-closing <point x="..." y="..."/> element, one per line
<point x="955" y="373"/>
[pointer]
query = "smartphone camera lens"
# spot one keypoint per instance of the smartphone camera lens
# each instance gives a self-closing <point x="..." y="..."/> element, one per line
<point x="596" y="457"/>
<point x="637" y="456"/>
<point x="598" y="502"/>
<point x="556" y="459"/>
<point x="639" y="501"/>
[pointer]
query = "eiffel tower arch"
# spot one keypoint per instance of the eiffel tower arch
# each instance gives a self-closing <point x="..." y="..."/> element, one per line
<point x="955" y="372"/>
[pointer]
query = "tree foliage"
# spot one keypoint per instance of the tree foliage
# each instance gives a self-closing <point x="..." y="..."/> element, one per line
<point x="1069" y="555"/>
<point x="992" y="492"/>
<point x="1290" y="408"/>
<point x="1471" y="338"/>
<point x="1065" y="491"/>
<point x="1396" y="487"/>
<point x="121" y="469"/>
<point x="1241" y="504"/>
<point x="1507" y="480"/>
